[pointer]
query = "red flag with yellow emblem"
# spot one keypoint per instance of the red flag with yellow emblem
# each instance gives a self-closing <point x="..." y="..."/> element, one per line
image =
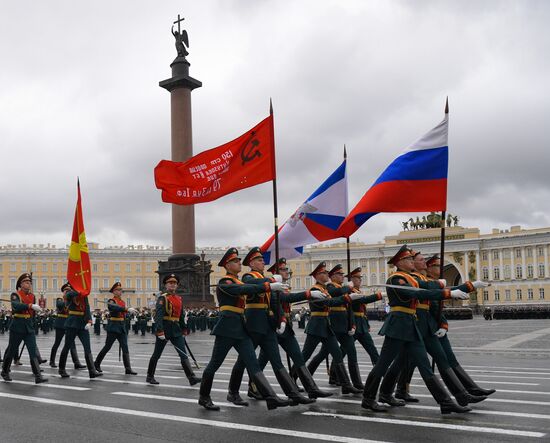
<point x="79" y="272"/>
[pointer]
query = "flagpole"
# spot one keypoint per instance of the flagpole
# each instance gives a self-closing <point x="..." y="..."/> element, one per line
<point x="443" y="215"/>
<point x="275" y="207"/>
<point x="348" y="258"/>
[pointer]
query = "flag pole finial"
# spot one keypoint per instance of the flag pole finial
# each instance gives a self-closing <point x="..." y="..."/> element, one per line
<point x="270" y="106"/>
<point x="345" y="153"/>
<point x="447" y="105"/>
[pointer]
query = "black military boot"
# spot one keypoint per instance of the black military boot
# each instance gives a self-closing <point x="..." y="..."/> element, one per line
<point x="310" y="386"/>
<point x="342" y="374"/>
<point x="98" y="360"/>
<point x="127" y="366"/>
<point x="151" y="372"/>
<point x="36" y="371"/>
<point x="204" y="392"/>
<point x="290" y="389"/>
<point x="76" y="360"/>
<point x="52" y="359"/>
<point x="463" y="397"/>
<point x="235" y="380"/>
<point x="369" y="394"/>
<point x="62" y="364"/>
<point x="253" y="392"/>
<point x="403" y="386"/>
<point x="272" y="400"/>
<point x="314" y="363"/>
<point x="332" y="376"/>
<point x="39" y="358"/>
<point x="355" y="375"/>
<point x="470" y="385"/>
<point x="386" y="390"/>
<point x="186" y="365"/>
<point x="6" y="364"/>
<point x="92" y="373"/>
<point x="446" y="403"/>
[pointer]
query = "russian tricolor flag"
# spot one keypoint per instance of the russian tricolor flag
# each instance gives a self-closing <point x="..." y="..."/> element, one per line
<point x="416" y="181"/>
<point x="317" y="219"/>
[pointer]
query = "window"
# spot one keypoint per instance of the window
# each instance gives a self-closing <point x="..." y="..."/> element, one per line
<point x="44" y="267"/>
<point x="308" y="282"/>
<point x="495" y="254"/>
<point x="518" y="294"/>
<point x="148" y="267"/>
<point x="128" y="301"/>
<point x="148" y="283"/>
<point x="483" y="255"/>
<point x="298" y="283"/>
<point x="541" y="293"/>
<point x="23" y="267"/>
<point x="497" y="295"/>
<point x="54" y="284"/>
<point x="519" y="271"/>
<point x="506" y="253"/>
<point x="0" y="283"/>
<point x="496" y="273"/>
<point x="507" y="272"/>
<point x="138" y="302"/>
<point x="373" y="279"/>
<point x="94" y="267"/>
<point x="530" y="271"/>
<point x="12" y="284"/>
<point x="529" y="294"/>
<point x="541" y="270"/>
<point x="128" y="267"/>
<point x="105" y="267"/>
<point x="95" y="302"/>
<point x="106" y="283"/>
<point x="138" y="284"/>
<point x="117" y="267"/>
<point x="507" y="294"/>
<point x="485" y="273"/>
<point x="540" y="251"/>
<point x="485" y="295"/>
<point x="54" y="267"/>
<point x="138" y="267"/>
<point x="529" y="252"/>
<point x="117" y="279"/>
<point x="95" y="284"/>
<point x="518" y="253"/>
<point x="33" y="267"/>
<point x="12" y="267"/>
<point x="383" y="276"/>
<point x="128" y="283"/>
<point x="44" y="283"/>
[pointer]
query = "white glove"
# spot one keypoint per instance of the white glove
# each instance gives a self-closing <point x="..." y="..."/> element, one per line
<point x="443" y="282"/>
<point x="458" y="294"/>
<point x="88" y="326"/>
<point x="281" y="329"/>
<point x="317" y="295"/>
<point x="480" y="284"/>
<point x="440" y="333"/>
<point x="161" y="337"/>
<point x="350" y="284"/>
<point x="278" y="286"/>
<point x="355" y="296"/>
<point x="132" y="311"/>
<point x="278" y="278"/>
<point x="36" y="308"/>
<point x="351" y="332"/>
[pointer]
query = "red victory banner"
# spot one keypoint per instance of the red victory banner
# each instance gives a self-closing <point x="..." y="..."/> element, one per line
<point x="79" y="272"/>
<point x="244" y="162"/>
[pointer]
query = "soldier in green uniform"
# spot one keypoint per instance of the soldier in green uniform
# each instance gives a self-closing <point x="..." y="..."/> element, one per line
<point x="436" y="311"/>
<point x="320" y="329"/>
<point x="169" y="320"/>
<point x="59" y="326"/>
<point x="77" y="324"/>
<point x="24" y="308"/>
<point x="230" y="331"/>
<point x="286" y="336"/>
<point x="261" y="323"/>
<point x="400" y="331"/>
<point x="116" y="329"/>
<point x="427" y="327"/>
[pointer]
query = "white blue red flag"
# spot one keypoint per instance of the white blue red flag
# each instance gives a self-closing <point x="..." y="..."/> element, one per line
<point x="415" y="181"/>
<point x="316" y="220"/>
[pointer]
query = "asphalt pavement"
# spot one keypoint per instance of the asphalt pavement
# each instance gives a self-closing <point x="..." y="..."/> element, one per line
<point x="512" y="356"/>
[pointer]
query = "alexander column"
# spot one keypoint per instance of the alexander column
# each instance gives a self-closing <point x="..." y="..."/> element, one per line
<point x="184" y="262"/>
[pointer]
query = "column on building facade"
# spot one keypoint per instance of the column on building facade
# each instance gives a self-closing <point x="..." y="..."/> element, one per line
<point x="545" y="261"/>
<point x="523" y="264"/>
<point x="369" y="282"/>
<point x="466" y="265"/>
<point x="478" y="266"/>
<point x="378" y="270"/>
<point x="491" y="274"/>
<point x="513" y="265"/>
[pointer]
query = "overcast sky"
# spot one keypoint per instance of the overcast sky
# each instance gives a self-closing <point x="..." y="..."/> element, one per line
<point x="79" y="96"/>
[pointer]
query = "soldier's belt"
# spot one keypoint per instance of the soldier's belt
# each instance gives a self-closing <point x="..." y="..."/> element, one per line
<point x="22" y="315"/>
<point x="287" y="315"/>
<point x="62" y="315"/>
<point x="319" y="314"/>
<point x="403" y="309"/>
<point x="117" y="319"/>
<point x="423" y="306"/>
<point x="338" y="309"/>
<point x="256" y="306"/>
<point x="171" y="318"/>
<point x="76" y="313"/>
<point x="359" y="314"/>
<point x="232" y="309"/>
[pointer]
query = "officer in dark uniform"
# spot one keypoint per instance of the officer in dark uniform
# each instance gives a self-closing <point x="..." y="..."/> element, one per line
<point x="319" y="328"/>
<point x="97" y="322"/>
<point x="230" y="331"/>
<point x="286" y="337"/>
<point x="24" y="308"/>
<point x="261" y="323"/>
<point x="116" y="329"/>
<point x="169" y="320"/>
<point x="59" y="326"/>
<point x="77" y="324"/>
<point x="401" y="331"/>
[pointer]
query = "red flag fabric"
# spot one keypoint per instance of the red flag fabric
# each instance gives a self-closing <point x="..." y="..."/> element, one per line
<point x="79" y="272"/>
<point x="244" y="162"/>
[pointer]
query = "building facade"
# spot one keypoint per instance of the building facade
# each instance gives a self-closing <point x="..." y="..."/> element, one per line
<point x="514" y="261"/>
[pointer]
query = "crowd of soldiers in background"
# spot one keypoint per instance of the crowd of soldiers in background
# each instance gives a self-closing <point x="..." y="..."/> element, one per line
<point x="508" y="312"/>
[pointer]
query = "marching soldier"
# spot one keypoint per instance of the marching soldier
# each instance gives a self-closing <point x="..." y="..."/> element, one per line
<point x="77" y="324"/>
<point x="116" y="329"/>
<point x="59" y="326"/>
<point x="230" y="331"/>
<point x="261" y="323"/>
<point x="169" y="318"/>
<point x="432" y="268"/>
<point x="400" y="331"/>
<point x="319" y="328"/>
<point x="24" y="308"/>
